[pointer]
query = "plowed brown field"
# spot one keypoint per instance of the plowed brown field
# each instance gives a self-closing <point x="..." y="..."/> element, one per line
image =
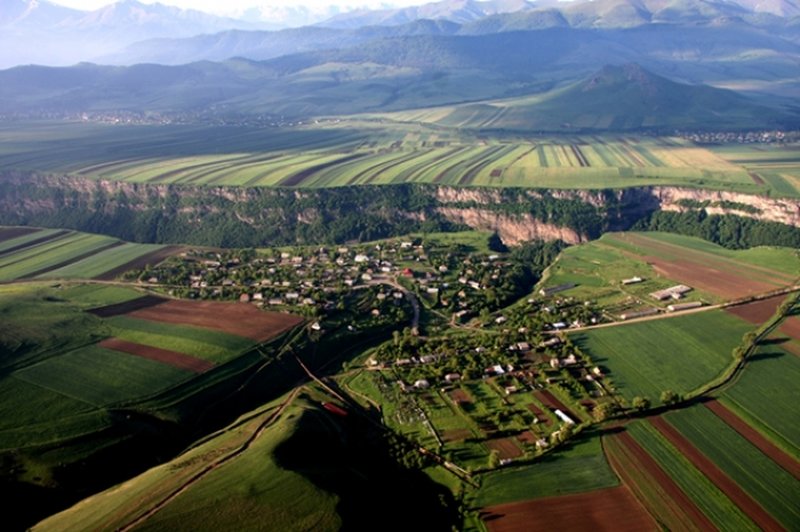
<point x="757" y="312"/>
<point x="614" y="509"/>
<point x="233" y="318"/>
<point x="709" y="279"/>
<point x="505" y="447"/>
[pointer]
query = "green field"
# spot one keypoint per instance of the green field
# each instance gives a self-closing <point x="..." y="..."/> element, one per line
<point x="365" y="152"/>
<point x="210" y="345"/>
<point x="102" y="377"/>
<point x="765" y="395"/>
<point x="97" y="295"/>
<point x="678" y="354"/>
<point x="711" y="501"/>
<point x="66" y="255"/>
<point x="770" y="485"/>
<point x="580" y="467"/>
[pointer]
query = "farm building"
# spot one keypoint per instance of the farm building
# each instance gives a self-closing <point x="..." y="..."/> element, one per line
<point x="422" y="384"/>
<point x="684" y="306"/>
<point x="674" y="292"/>
<point x="563" y="417"/>
<point x="638" y="314"/>
<point x="556" y="289"/>
<point x="632" y="280"/>
<point x="452" y="377"/>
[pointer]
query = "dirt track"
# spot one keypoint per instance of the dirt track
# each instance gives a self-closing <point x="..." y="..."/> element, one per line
<point x="614" y="509"/>
<point x="753" y="436"/>
<point x="172" y="358"/>
<point x="730" y="488"/>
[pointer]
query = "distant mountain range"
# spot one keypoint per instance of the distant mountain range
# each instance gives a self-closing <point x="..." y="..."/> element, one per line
<point x="128" y="32"/>
<point x="37" y="31"/>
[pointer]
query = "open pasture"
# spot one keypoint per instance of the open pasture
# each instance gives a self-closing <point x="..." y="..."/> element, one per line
<point x="338" y="153"/>
<point x="680" y="353"/>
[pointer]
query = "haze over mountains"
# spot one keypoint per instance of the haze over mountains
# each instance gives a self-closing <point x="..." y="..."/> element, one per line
<point x="460" y="52"/>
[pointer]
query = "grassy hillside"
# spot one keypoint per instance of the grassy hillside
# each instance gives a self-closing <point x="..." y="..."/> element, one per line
<point x="290" y="464"/>
<point x="616" y="98"/>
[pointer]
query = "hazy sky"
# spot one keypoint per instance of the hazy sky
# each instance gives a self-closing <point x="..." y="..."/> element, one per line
<point x="231" y="6"/>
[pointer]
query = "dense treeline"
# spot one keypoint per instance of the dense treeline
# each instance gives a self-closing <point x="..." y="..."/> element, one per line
<point x="734" y="232"/>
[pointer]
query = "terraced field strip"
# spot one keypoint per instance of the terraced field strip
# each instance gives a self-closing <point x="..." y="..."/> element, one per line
<point x="662" y="497"/>
<point x="614" y="509"/>
<point x="700" y="489"/>
<point x="298" y="178"/>
<point x="232" y="318"/>
<point x="9" y="233"/>
<point x="756" y="438"/>
<point x="45" y="257"/>
<point x="127" y="307"/>
<point x="46" y="271"/>
<point x="148" y="258"/>
<point x="21" y="242"/>
<point x="207" y="344"/>
<point x="171" y="358"/>
<point x="749" y="506"/>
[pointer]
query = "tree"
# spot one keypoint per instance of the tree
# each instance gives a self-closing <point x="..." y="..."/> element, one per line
<point x="640" y="403"/>
<point x="668" y="397"/>
<point x="604" y="411"/>
<point x="494" y="458"/>
<point x="496" y="243"/>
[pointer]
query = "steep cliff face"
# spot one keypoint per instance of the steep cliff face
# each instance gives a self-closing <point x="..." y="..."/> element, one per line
<point x="780" y="210"/>
<point x="258" y="216"/>
<point x="513" y="229"/>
